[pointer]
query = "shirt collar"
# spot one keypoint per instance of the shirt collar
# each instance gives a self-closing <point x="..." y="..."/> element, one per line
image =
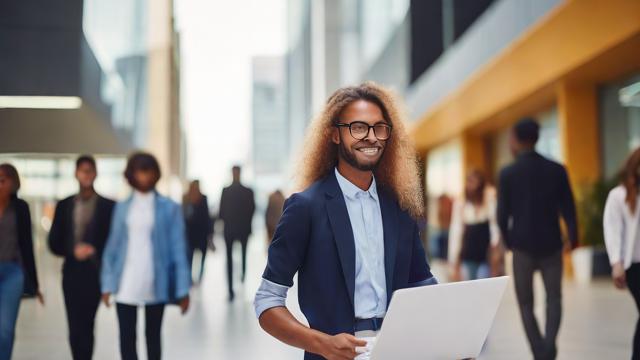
<point x="146" y="197"/>
<point x="350" y="190"/>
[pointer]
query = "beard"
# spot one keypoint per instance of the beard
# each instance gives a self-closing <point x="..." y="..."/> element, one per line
<point x="348" y="156"/>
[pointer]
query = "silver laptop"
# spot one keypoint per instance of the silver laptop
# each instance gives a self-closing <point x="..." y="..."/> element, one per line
<point x="445" y="321"/>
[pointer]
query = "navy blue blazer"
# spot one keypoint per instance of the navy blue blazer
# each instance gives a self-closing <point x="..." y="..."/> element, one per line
<point x="314" y="238"/>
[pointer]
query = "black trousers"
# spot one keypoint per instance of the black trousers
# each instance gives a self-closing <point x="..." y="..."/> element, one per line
<point x="192" y="252"/>
<point x="81" y="288"/>
<point x="524" y="266"/>
<point x="633" y="283"/>
<point x="229" y="240"/>
<point x="127" y="319"/>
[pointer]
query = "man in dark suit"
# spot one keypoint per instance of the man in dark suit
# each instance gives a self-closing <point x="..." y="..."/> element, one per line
<point x="351" y="235"/>
<point x="533" y="193"/>
<point x="78" y="233"/>
<point x="236" y="211"/>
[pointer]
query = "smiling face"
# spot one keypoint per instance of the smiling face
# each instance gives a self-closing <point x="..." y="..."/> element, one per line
<point x="86" y="175"/>
<point x="364" y="154"/>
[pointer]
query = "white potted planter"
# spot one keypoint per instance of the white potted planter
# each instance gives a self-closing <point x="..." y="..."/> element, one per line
<point x="582" y="259"/>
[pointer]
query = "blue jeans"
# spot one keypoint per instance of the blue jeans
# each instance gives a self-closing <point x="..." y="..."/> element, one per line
<point x="473" y="270"/>
<point x="11" y="287"/>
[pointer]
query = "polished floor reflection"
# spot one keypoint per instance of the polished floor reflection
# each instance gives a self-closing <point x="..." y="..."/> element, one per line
<point x="598" y="321"/>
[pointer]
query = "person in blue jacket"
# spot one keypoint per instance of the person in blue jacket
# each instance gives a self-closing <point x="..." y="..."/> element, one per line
<point x="351" y="235"/>
<point x="145" y="259"/>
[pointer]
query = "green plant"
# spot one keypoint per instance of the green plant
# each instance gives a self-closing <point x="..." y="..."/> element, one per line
<point x="590" y="209"/>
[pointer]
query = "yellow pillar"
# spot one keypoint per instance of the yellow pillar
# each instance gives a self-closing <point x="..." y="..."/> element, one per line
<point x="475" y="155"/>
<point x="578" y="124"/>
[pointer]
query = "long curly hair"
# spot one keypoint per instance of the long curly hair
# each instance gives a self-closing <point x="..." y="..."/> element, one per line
<point x="398" y="169"/>
<point x="630" y="178"/>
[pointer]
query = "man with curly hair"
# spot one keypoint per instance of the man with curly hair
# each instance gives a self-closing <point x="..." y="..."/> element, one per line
<point x="351" y="234"/>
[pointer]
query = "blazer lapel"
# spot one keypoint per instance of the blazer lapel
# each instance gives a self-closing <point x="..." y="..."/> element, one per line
<point x="342" y="234"/>
<point x="390" y="230"/>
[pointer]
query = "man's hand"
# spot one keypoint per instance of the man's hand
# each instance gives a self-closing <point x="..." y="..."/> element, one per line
<point x="105" y="299"/>
<point x="83" y="251"/>
<point x="40" y="297"/>
<point x="456" y="272"/>
<point x="618" y="275"/>
<point x="340" y="347"/>
<point x="184" y="304"/>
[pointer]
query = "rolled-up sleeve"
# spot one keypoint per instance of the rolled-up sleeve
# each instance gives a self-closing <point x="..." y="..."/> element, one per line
<point x="269" y="295"/>
<point x="430" y="281"/>
<point x="286" y="255"/>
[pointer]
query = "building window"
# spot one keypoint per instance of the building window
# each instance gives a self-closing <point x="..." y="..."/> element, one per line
<point x="619" y="125"/>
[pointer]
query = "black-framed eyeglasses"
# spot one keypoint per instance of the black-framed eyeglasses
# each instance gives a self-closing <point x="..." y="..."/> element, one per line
<point x="359" y="130"/>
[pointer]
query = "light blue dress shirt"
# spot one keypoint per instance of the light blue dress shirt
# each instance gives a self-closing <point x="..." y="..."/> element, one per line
<point x="370" y="293"/>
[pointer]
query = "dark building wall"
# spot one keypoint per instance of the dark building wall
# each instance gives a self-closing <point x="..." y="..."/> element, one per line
<point x="466" y="12"/>
<point x="428" y="24"/>
<point x="426" y="35"/>
<point x="40" y="47"/>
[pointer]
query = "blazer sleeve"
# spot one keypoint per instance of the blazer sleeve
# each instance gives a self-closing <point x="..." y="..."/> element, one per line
<point x="27" y="256"/>
<point x="179" y="253"/>
<point x="289" y="246"/>
<point x="207" y="220"/>
<point x="568" y="208"/>
<point x="107" y="275"/>
<point x="105" y="226"/>
<point x="252" y="203"/>
<point x="57" y="241"/>
<point x="419" y="269"/>
<point x="503" y="211"/>
<point x="222" y="213"/>
<point x="614" y="227"/>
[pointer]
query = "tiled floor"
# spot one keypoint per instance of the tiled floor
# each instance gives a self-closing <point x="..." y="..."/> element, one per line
<point x="598" y="321"/>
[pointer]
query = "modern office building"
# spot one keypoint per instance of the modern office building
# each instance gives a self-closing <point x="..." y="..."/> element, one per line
<point x="88" y="77"/>
<point x="270" y="150"/>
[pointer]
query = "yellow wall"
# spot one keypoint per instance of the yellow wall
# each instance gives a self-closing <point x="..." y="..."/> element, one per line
<point x="579" y="44"/>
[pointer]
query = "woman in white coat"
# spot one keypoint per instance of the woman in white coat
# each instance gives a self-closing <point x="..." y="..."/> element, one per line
<point x="622" y="235"/>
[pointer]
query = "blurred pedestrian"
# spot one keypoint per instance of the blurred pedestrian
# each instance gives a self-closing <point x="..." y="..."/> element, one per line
<point x="236" y="211"/>
<point x="18" y="273"/>
<point x="198" y="222"/>
<point x="274" y="212"/>
<point x="78" y="233"/>
<point x="439" y="241"/>
<point x="533" y="193"/>
<point x="474" y="230"/>
<point x="622" y="238"/>
<point x="145" y="259"/>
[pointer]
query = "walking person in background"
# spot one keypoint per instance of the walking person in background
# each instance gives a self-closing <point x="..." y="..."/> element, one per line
<point x="439" y="242"/>
<point x="198" y="222"/>
<point x="145" y="259"/>
<point x="78" y="233"/>
<point x="17" y="264"/>
<point x="274" y="212"/>
<point x="236" y="211"/>
<point x="622" y="236"/>
<point x="474" y="230"/>
<point x="532" y="194"/>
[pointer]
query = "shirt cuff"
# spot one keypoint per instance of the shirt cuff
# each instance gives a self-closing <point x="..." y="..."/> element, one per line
<point x="269" y="295"/>
<point x="430" y="281"/>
